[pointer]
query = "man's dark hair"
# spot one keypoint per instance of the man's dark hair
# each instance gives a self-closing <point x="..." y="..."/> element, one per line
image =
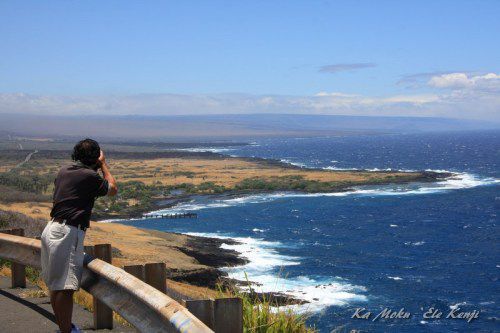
<point x="86" y="151"/>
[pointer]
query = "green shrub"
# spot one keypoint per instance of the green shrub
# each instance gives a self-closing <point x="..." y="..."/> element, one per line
<point x="288" y="183"/>
<point x="260" y="315"/>
<point x="27" y="182"/>
<point x="188" y="174"/>
<point x="10" y="194"/>
<point x="210" y="187"/>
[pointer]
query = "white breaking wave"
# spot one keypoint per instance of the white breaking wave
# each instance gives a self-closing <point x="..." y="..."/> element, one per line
<point x="212" y="149"/>
<point x="395" y="278"/>
<point x="239" y="201"/>
<point x="264" y="260"/>
<point x="456" y="182"/>
<point x="455" y="306"/>
<point x="203" y="149"/>
<point x="302" y="165"/>
<point x="334" y="168"/>
<point x="415" y="243"/>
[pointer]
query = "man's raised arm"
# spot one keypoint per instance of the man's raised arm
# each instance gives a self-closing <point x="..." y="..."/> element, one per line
<point x="113" y="188"/>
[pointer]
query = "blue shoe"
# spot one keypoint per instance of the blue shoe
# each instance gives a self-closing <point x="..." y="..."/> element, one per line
<point x="75" y="329"/>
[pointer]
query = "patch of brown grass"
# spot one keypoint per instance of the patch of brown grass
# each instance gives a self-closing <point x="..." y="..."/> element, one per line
<point x="227" y="172"/>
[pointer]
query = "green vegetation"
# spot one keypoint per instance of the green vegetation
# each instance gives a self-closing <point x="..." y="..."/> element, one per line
<point x="33" y="183"/>
<point x="299" y="183"/>
<point x="188" y="174"/>
<point x="32" y="274"/>
<point x="260" y="315"/>
<point x="288" y="183"/>
<point x="11" y="195"/>
<point x="210" y="187"/>
<point x="135" y="197"/>
<point x="23" y="185"/>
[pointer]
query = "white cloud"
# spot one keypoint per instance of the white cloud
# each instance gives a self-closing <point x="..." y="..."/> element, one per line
<point x="359" y="99"/>
<point x="490" y="81"/>
<point x="461" y="95"/>
<point x="454" y="80"/>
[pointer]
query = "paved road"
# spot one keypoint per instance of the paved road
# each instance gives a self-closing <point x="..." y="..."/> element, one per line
<point x="18" y="314"/>
<point x="26" y="160"/>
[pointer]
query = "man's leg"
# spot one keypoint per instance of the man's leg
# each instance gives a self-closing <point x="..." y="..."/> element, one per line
<point x="62" y="303"/>
<point x="53" y="303"/>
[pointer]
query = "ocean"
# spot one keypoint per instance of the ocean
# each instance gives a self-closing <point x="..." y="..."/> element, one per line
<point x="400" y="250"/>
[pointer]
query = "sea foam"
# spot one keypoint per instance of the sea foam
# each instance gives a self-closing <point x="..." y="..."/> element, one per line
<point x="264" y="267"/>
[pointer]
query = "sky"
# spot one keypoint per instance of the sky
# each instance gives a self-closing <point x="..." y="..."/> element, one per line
<point x="396" y="58"/>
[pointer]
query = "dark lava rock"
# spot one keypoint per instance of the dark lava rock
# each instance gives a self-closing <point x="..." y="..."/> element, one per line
<point x="208" y="251"/>
<point x="205" y="277"/>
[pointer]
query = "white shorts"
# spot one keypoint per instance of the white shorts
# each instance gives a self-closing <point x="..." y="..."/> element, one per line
<point x="62" y="256"/>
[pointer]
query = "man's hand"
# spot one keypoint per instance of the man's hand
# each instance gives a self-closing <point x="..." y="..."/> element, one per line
<point x="102" y="159"/>
<point x="113" y="188"/>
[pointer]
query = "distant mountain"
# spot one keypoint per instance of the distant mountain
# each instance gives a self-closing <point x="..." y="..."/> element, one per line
<point x="225" y="126"/>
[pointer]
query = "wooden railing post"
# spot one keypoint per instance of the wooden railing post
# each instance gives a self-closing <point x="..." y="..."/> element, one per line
<point x="135" y="270"/>
<point x="202" y="309"/>
<point x="89" y="249"/>
<point x="103" y="315"/>
<point x="156" y="276"/>
<point x="228" y="315"/>
<point x="18" y="271"/>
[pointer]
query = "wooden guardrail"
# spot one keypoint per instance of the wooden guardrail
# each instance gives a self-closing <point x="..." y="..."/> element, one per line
<point x="143" y="306"/>
<point x="18" y="271"/>
<point x="223" y="315"/>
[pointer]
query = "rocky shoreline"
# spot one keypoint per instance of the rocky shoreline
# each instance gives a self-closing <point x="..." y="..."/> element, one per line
<point x="208" y="251"/>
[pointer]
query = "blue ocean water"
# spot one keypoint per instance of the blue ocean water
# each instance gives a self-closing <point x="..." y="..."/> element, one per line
<point x="416" y="246"/>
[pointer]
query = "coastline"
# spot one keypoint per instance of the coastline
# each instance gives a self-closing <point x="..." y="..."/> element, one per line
<point x="218" y="254"/>
<point x="207" y="251"/>
<point x="172" y="201"/>
<point x="204" y="261"/>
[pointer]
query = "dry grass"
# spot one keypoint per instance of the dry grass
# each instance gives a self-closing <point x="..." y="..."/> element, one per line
<point x="34" y="293"/>
<point x="227" y="172"/>
<point x="137" y="246"/>
<point x="37" y="210"/>
<point x="194" y="292"/>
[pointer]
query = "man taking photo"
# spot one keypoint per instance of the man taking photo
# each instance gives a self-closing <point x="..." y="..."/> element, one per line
<point x="76" y="188"/>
